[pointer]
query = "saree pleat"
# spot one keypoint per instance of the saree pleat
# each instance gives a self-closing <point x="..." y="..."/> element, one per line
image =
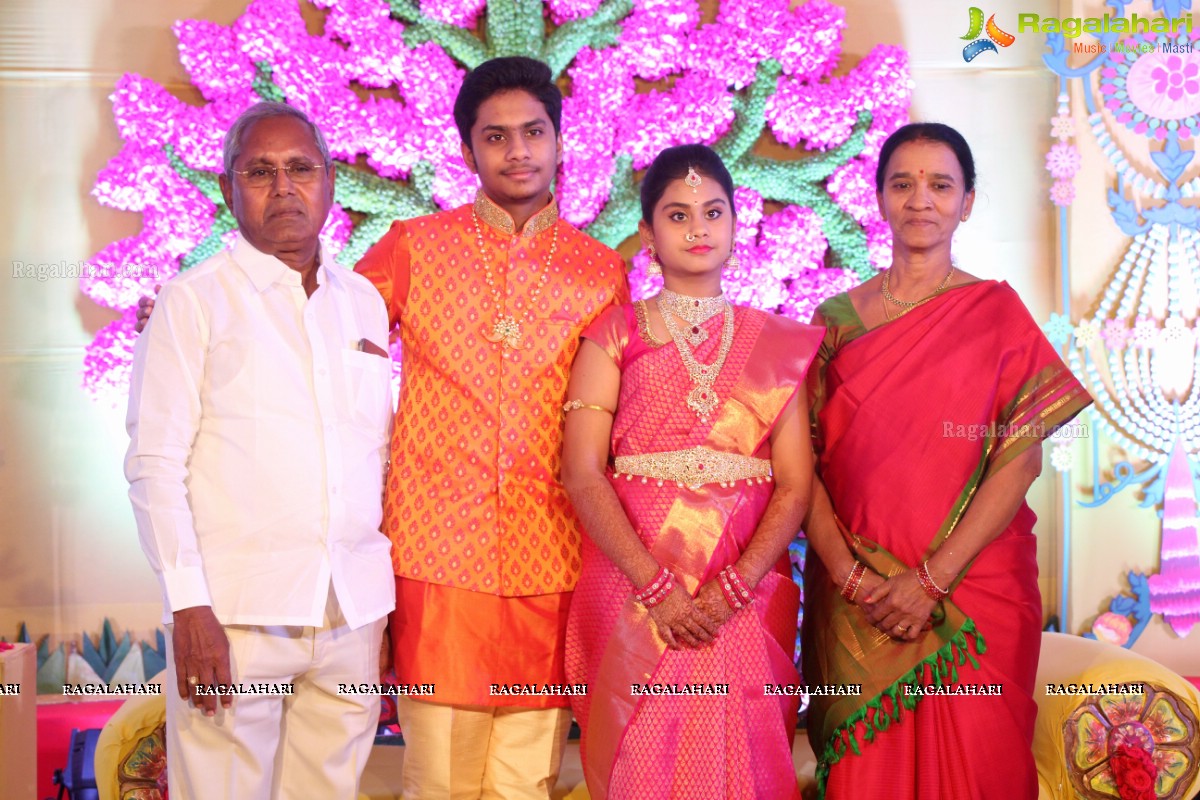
<point x="910" y="418"/>
<point x="736" y="745"/>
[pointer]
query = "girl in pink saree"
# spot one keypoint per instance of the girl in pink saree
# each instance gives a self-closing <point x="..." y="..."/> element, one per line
<point x="687" y="457"/>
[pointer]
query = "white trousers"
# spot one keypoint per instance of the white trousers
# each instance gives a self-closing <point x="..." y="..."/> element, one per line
<point x="481" y="752"/>
<point x="311" y="744"/>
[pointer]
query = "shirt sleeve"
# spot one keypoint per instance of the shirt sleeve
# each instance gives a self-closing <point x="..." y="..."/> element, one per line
<point x="388" y="266"/>
<point x="162" y="421"/>
<point x="622" y="294"/>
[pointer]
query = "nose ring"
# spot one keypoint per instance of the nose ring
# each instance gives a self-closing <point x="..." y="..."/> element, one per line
<point x="691" y="237"/>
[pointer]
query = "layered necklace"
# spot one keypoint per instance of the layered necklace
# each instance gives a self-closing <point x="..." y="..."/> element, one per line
<point x="908" y="305"/>
<point x="696" y="310"/>
<point x="506" y="329"/>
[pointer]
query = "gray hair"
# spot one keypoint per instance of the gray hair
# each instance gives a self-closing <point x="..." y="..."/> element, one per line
<point x="266" y="110"/>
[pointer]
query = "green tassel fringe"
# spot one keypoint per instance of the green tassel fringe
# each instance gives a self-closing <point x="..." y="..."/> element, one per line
<point x="942" y="667"/>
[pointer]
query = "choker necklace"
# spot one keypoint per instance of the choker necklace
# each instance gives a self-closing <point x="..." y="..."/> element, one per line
<point x="702" y="399"/>
<point x="506" y="329"/>
<point x="695" y="311"/>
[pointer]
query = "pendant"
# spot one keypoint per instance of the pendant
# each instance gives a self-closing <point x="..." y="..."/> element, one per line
<point x="702" y="400"/>
<point x="505" y="330"/>
<point x="696" y="335"/>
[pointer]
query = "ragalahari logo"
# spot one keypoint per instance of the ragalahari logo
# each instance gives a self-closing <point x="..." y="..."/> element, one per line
<point x="995" y="36"/>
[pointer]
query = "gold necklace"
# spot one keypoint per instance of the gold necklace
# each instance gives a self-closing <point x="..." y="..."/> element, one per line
<point x="702" y="398"/>
<point x="695" y="311"/>
<point x="506" y="329"/>
<point x="907" y="305"/>
<point x="911" y="304"/>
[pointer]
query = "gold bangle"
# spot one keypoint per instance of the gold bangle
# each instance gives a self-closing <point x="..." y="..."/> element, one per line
<point x="575" y="405"/>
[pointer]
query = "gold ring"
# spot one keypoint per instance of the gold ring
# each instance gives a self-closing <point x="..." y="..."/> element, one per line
<point x="193" y="680"/>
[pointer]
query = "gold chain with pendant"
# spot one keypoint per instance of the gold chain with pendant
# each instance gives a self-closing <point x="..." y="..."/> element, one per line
<point x="506" y="329"/>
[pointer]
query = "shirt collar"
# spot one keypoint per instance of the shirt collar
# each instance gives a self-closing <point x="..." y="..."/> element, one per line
<point x="266" y="270"/>
<point x="496" y="217"/>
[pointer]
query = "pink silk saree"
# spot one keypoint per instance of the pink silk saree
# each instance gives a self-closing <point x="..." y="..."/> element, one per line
<point x="697" y="746"/>
<point x="911" y="417"/>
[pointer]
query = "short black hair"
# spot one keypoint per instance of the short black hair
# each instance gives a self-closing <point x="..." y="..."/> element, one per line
<point x="673" y="164"/>
<point x="928" y="132"/>
<point x="499" y="75"/>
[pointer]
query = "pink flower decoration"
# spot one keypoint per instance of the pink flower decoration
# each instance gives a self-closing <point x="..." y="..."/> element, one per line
<point x="607" y="115"/>
<point x="1062" y="193"/>
<point x="1063" y="160"/>
<point x="1115" y="334"/>
<point x="853" y="187"/>
<point x="1062" y="127"/>
<point x="1175" y="79"/>
<point x="1145" y="332"/>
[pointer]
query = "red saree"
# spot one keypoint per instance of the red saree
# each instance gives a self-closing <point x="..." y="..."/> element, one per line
<point x="698" y="746"/>
<point x="911" y="417"/>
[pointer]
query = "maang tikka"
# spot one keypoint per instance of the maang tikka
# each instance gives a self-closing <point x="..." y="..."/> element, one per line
<point x="693" y="180"/>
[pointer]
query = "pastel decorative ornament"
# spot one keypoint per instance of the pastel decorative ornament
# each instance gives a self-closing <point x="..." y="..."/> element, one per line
<point x="1137" y="351"/>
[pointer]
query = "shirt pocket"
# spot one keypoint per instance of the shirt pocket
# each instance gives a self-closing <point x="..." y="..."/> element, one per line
<point x="368" y="391"/>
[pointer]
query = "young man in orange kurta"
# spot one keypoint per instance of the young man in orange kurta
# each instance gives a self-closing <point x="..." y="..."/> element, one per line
<point x="490" y="299"/>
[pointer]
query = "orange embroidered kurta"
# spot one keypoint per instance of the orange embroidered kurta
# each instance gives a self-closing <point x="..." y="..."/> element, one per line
<point x="474" y="503"/>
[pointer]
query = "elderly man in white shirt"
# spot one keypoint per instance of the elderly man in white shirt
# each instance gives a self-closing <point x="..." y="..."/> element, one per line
<point x="258" y="417"/>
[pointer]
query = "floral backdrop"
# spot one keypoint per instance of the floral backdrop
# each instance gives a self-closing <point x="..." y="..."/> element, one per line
<point x="380" y="78"/>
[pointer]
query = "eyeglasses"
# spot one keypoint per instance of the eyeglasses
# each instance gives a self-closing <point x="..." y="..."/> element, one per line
<point x="264" y="175"/>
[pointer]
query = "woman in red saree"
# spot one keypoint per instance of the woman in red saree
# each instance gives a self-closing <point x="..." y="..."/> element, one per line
<point x="931" y="394"/>
<point x="688" y="462"/>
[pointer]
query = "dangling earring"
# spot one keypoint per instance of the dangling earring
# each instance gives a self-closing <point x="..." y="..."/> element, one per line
<point x="733" y="263"/>
<point x="655" y="268"/>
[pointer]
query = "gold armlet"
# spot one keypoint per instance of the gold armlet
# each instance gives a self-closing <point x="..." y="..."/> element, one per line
<point x="575" y="405"/>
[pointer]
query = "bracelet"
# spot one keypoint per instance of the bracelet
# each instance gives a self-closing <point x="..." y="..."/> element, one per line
<point x="575" y="405"/>
<point x="734" y="589"/>
<point x="657" y="590"/>
<point x="929" y="584"/>
<point x="853" y="581"/>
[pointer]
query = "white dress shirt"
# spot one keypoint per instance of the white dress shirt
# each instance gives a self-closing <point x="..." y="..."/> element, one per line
<point x="258" y="441"/>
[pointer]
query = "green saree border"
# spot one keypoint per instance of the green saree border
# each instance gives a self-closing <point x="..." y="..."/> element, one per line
<point x="941" y="666"/>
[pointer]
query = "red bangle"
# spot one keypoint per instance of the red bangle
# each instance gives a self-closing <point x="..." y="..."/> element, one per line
<point x="929" y="584"/>
<point x="734" y="589"/>
<point x="657" y="590"/>
<point x="853" y="581"/>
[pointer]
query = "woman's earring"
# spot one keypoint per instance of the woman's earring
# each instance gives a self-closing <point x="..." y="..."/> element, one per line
<point x="655" y="268"/>
<point x="733" y="263"/>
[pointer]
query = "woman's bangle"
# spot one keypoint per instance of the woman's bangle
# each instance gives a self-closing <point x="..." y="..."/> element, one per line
<point x="734" y="588"/>
<point x="853" y="581"/>
<point x="656" y="590"/>
<point x="575" y="405"/>
<point x="929" y="584"/>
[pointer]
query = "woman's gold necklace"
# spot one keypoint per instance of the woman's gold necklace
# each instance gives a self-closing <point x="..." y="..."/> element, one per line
<point x="909" y="305"/>
<point x="702" y="399"/>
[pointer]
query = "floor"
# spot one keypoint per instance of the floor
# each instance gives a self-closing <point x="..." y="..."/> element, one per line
<point x="381" y="780"/>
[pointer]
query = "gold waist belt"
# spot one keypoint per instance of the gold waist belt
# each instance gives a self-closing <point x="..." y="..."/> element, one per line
<point x="694" y="467"/>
